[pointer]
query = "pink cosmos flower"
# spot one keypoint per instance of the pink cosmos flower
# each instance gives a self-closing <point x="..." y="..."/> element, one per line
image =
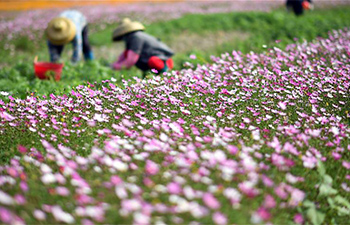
<point x="210" y="201"/>
<point x="282" y="105"/>
<point x="20" y="199"/>
<point x="296" y="197"/>
<point x="174" y="188"/>
<point x="264" y="214"/>
<point x="63" y="191"/>
<point x="232" y="149"/>
<point x="22" y="149"/>
<point x="219" y="218"/>
<point x="269" y="202"/>
<point x="5" y="215"/>
<point x="151" y="168"/>
<point x="116" y="180"/>
<point x="346" y="164"/>
<point x="298" y="218"/>
<point x="24" y="186"/>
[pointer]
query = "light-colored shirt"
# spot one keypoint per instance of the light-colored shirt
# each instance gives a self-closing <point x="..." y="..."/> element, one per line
<point x="80" y="22"/>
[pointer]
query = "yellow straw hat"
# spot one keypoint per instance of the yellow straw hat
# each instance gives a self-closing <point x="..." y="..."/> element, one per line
<point x="60" y="31"/>
<point x="125" y="27"/>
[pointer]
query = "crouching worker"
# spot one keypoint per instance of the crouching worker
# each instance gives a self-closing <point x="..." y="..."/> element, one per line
<point x="142" y="50"/>
<point x="298" y="6"/>
<point x="69" y="27"/>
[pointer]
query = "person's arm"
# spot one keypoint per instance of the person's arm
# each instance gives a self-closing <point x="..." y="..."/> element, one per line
<point x="126" y="60"/>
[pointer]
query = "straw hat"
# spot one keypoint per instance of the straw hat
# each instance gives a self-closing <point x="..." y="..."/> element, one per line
<point x="125" y="27"/>
<point x="60" y="31"/>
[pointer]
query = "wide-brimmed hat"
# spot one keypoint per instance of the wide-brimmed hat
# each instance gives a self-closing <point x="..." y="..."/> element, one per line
<point x="126" y="26"/>
<point x="60" y="31"/>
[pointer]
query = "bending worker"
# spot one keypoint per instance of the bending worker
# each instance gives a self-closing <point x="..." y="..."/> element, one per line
<point x="298" y="6"/>
<point x="142" y="50"/>
<point x="69" y="27"/>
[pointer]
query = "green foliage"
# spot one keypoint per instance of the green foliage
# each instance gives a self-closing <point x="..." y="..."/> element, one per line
<point x="329" y="200"/>
<point x="21" y="81"/>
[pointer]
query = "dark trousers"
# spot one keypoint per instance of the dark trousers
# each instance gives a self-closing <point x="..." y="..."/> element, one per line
<point x="296" y="6"/>
<point x="56" y="50"/>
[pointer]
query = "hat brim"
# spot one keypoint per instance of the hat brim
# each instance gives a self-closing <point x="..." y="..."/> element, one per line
<point x="120" y="37"/>
<point x="126" y="28"/>
<point x="61" y="37"/>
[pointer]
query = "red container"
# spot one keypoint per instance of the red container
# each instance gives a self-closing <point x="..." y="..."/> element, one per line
<point x="43" y="70"/>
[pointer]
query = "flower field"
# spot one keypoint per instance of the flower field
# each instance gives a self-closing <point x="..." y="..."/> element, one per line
<point x="250" y="138"/>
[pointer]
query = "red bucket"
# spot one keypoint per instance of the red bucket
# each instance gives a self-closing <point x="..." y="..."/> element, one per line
<point x="45" y="70"/>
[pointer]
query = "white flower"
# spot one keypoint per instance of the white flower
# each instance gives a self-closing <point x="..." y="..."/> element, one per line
<point x="4" y="93"/>
<point x="121" y="192"/>
<point x="48" y="178"/>
<point x="39" y="215"/>
<point x="61" y="215"/>
<point x="6" y="199"/>
<point x="45" y="168"/>
<point x="120" y="165"/>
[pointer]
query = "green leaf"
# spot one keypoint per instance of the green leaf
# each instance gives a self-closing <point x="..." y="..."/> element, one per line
<point x="343" y="207"/>
<point x="326" y="190"/>
<point x="315" y="216"/>
<point x="309" y="204"/>
<point x="320" y="168"/>
<point x="342" y="211"/>
<point x="339" y="199"/>
<point x="327" y="179"/>
<point x="331" y="202"/>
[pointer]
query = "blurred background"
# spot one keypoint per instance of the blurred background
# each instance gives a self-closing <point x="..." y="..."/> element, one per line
<point x="10" y="5"/>
<point x="195" y="30"/>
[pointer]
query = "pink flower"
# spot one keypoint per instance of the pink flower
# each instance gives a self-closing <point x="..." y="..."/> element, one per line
<point x="174" y="188"/>
<point x="219" y="114"/>
<point x="269" y="202"/>
<point x="210" y="201"/>
<point x="5" y="215"/>
<point x="63" y="191"/>
<point x="148" y="182"/>
<point x="346" y="164"/>
<point x="148" y="133"/>
<point x="299" y="219"/>
<point x="336" y="155"/>
<point x="263" y="213"/>
<point x="280" y="192"/>
<point x="297" y="197"/>
<point x="24" y="186"/>
<point x="151" y="168"/>
<point x="116" y="180"/>
<point x="219" y="218"/>
<point x="20" y="199"/>
<point x="87" y="222"/>
<point x="232" y="149"/>
<point x="22" y="149"/>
